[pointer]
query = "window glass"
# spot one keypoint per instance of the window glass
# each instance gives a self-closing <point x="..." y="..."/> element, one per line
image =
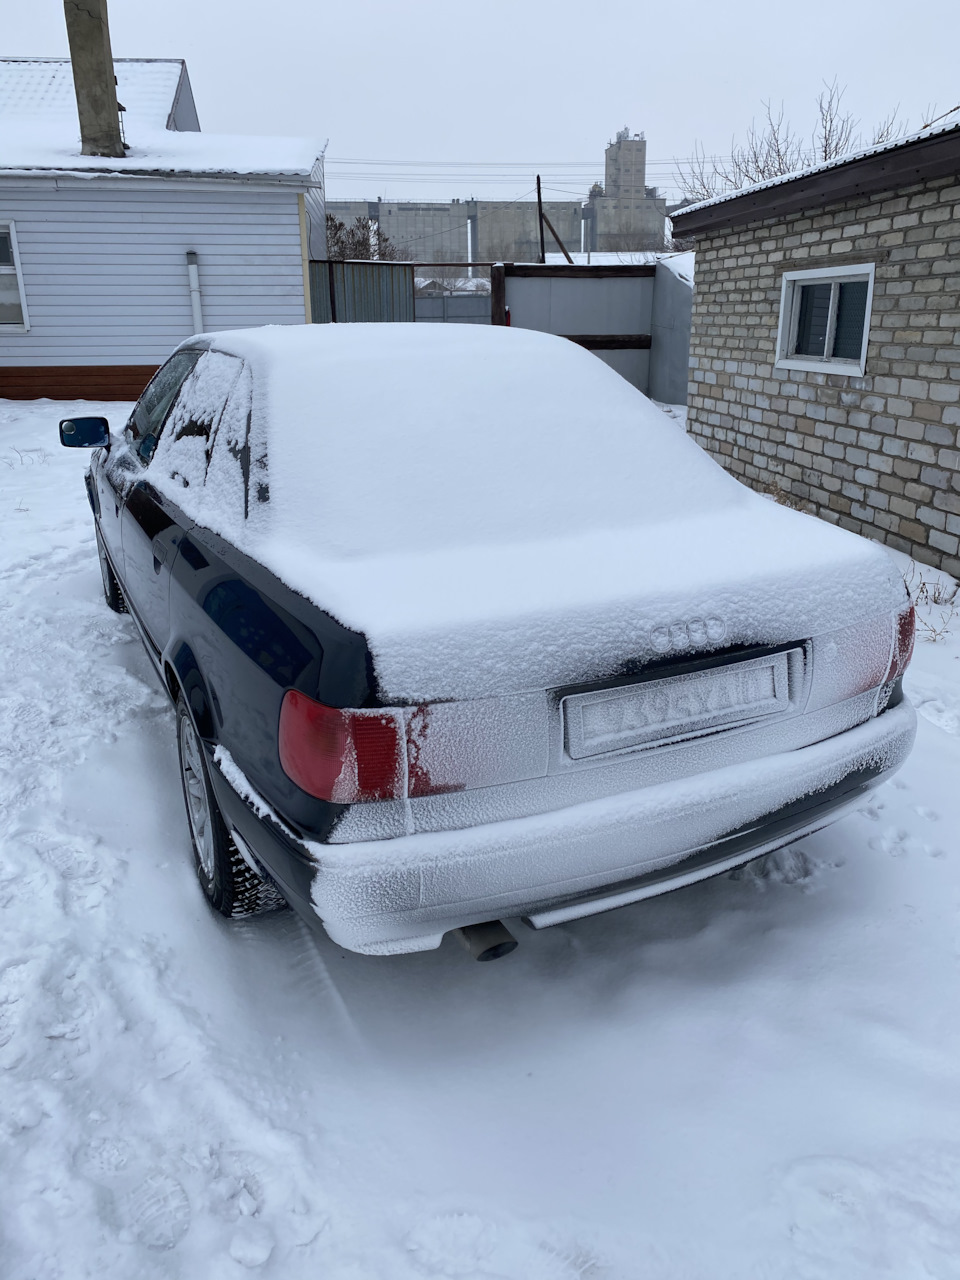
<point x="11" y="311"/>
<point x="151" y="411"/>
<point x="183" y="453"/>
<point x="824" y="318"/>
<point x="851" y="313"/>
<point x="226" y="484"/>
<point x="814" y="319"/>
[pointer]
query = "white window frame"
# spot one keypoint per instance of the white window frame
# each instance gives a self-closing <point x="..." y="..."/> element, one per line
<point x="790" y="318"/>
<point x="6" y="224"/>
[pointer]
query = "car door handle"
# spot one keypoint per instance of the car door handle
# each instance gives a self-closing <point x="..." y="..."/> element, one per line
<point x="159" y="554"/>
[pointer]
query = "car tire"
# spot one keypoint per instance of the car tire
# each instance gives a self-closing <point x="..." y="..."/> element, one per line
<point x="229" y="883"/>
<point x="111" y="588"/>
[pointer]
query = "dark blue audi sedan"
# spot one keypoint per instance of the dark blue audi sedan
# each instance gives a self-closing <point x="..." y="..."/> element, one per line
<point x="460" y="628"/>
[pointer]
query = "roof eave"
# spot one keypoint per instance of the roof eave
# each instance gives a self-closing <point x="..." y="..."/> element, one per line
<point x="933" y="157"/>
<point x="301" y="180"/>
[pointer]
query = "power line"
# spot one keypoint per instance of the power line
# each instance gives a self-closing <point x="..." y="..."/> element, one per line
<point x="501" y="164"/>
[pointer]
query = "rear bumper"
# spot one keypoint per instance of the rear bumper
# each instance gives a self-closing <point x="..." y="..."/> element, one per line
<point x="389" y="896"/>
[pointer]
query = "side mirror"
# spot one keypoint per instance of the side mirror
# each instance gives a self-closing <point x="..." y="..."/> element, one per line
<point x="84" y="433"/>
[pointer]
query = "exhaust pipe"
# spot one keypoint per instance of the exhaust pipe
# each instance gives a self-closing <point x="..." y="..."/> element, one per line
<point x="488" y="941"/>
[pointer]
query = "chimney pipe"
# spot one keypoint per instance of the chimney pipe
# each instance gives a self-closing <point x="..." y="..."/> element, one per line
<point x="93" y="77"/>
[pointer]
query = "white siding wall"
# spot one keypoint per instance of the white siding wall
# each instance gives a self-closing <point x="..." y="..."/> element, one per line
<point x="105" y="271"/>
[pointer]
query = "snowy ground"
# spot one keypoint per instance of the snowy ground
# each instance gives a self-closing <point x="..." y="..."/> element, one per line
<point x="755" y="1077"/>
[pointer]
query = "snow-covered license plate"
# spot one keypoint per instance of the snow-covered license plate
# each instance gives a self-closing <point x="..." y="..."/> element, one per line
<point x="657" y="711"/>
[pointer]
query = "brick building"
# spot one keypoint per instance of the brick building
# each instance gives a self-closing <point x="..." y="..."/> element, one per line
<point x="825" y="348"/>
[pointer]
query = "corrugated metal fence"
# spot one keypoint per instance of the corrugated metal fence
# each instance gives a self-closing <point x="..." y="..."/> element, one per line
<point x="345" y="292"/>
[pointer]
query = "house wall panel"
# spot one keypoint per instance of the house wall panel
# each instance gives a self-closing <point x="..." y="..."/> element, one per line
<point x="105" y="274"/>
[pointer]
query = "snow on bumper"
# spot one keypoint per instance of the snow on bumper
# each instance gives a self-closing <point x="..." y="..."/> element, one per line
<point x="382" y="897"/>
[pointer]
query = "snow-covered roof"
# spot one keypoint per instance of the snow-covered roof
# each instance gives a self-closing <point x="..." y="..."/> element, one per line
<point x="949" y="123"/>
<point x="39" y="128"/>
<point x="41" y="89"/>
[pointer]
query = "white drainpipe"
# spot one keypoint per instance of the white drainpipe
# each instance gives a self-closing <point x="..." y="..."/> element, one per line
<point x="193" y="275"/>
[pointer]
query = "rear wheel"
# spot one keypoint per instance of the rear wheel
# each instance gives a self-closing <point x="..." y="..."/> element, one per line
<point x="229" y="883"/>
<point x="111" y="588"/>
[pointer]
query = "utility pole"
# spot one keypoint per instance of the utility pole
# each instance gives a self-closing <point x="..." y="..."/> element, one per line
<point x="544" y="220"/>
<point x="543" y="256"/>
<point x="93" y="77"/>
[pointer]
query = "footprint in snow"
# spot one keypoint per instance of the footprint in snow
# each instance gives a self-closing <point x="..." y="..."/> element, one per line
<point x="922" y="811"/>
<point x="872" y="811"/>
<point x="156" y="1213"/>
<point x="102" y="1158"/>
<point x="83" y="880"/>
<point x="895" y="1217"/>
<point x="899" y="843"/>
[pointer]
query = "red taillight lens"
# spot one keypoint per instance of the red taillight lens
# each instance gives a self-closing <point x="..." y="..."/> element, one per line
<point x="904" y="634"/>
<point x="341" y="755"/>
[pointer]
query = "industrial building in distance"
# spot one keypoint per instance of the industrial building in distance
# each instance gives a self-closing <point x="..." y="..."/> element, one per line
<point x="621" y="215"/>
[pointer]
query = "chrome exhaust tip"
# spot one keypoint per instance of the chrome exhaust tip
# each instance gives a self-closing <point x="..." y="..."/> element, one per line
<point x="488" y="941"/>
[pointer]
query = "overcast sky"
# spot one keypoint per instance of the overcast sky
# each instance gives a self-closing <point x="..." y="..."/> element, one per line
<point x="439" y="99"/>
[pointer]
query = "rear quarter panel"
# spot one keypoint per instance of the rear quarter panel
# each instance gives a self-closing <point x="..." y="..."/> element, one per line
<point x="239" y="640"/>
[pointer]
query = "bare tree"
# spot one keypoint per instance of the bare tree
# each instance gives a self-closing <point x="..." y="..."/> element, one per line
<point x="771" y="149"/>
<point x="362" y="239"/>
<point x="888" y="128"/>
<point x="835" y="130"/>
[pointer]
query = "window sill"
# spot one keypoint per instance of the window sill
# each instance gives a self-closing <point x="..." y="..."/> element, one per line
<point x="850" y="368"/>
<point x="14" y="328"/>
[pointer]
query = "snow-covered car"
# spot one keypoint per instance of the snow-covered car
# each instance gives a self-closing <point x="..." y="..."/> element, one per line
<point x="460" y="627"/>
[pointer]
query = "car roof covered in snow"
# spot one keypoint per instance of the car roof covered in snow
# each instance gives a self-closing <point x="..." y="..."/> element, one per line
<point x="382" y="436"/>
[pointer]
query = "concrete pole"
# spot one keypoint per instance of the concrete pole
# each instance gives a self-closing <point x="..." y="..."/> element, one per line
<point x="93" y="77"/>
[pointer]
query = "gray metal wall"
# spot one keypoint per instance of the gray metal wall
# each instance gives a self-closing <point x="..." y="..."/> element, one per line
<point x="464" y="308"/>
<point x="105" y="273"/>
<point x="670" y="333"/>
<point x="588" y="305"/>
<point x="361" y="292"/>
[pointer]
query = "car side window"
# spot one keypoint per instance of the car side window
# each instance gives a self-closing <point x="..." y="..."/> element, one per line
<point x="227" y="481"/>
<point x="184" y="451"/>
<point x="153" y="406"/>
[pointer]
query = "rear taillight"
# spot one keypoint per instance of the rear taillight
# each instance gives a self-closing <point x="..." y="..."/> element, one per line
<point x="903" y="637"/>
<point x="348" y="755"/>
<point x="342" y="755"/>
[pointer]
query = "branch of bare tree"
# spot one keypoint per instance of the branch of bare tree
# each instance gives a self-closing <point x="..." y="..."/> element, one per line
<point x="772" y="149"/>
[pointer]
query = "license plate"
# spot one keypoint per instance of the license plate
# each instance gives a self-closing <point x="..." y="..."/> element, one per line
<point x="678" y="707"/>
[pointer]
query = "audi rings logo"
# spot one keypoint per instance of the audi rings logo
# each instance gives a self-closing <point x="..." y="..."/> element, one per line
<point x="694" y="633"/>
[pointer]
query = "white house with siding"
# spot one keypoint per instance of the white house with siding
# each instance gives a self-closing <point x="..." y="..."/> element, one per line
<point x="107" y="264"/>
